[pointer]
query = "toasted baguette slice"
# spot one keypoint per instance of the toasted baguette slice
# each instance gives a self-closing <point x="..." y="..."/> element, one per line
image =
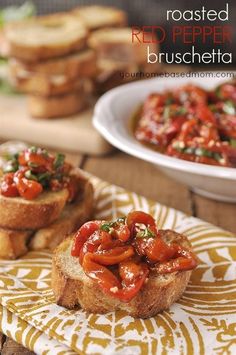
<point x="80" y="64"/>
<point x="95" y="16"/>
<point x="116" y="44"/>
<point x="45" y="37"/>
<point x="40" y="84"/>
<point x="13" y="243"/>
<point x="72" y="217"/>
<point x="18" y="213"/>
<point x="56" y="106"/>
<point x="73" y="288"/>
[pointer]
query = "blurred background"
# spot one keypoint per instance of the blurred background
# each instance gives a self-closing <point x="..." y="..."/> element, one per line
<point x="150" y="12"/>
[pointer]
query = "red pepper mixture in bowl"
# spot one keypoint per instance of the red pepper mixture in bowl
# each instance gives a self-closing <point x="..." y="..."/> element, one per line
<point x="191" y="123"/>
<point x="120" y="255"/>
<point x="29" y="173"/>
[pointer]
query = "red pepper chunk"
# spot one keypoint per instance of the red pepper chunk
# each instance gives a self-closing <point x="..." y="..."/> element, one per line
<point x="100" y="273"/>
<point x="110" y="283"/>
<point x="28" y="189"/>
<point x="122" y="232"/>
<point x="184" y="260"/>
<point x="83" y="235"/>
<point x="114" y="256"/>
<point x="155" y="249"/>
<point x="205" y="114"/>
<point x="8" y="187"/>
<point x="140" y="217"/>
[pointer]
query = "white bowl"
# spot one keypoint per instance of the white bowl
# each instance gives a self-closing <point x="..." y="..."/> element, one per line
<point x="112" y="119"/>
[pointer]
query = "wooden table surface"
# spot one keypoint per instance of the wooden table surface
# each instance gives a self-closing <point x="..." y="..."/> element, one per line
<point x="143" y="178"/>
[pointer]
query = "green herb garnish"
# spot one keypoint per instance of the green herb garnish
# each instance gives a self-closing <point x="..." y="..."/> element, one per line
<point x="33" y="149"/>
<point x="166" y="113"/>
<point x="181" y="111"/>
<point x="59" y="161"/>
<point x="146" y="233"/>
<point x="229" y="108"/>
<point x="169" y="100"/>
<point x="30" y="176"/>
<point x="200" y="152"/>
<point x="33" y="165"/>
<point x="233" y="142"/>
<point x="106" y="227"/>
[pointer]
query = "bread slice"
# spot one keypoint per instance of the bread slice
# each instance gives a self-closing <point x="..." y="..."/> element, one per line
<point x="76" y="65"/>
<point x="116" y="44"/>
<point x="73" y="288"/>
<point x="18" y="213"/>
<point x="45" y="37"/>
<point x="72" y="217"/>
<point x="95" y="16"/>
<point x="56" y="106"/>
<point x="13" y="243"/>
<point x="40" y="84"/>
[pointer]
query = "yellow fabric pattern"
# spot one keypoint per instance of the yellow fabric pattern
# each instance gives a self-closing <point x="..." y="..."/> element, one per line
<point x="203" y="321"/>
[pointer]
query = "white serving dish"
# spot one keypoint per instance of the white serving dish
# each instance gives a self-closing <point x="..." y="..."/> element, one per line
<point x="112" y="119"/>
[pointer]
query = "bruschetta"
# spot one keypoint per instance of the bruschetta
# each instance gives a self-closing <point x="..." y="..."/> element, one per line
<point x="127" y="264"/>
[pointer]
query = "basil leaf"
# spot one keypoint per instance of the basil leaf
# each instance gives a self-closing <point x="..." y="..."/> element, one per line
<point x="218" y="92"/>
<point x="166" y="113"/>
<point x="33" y="165"/>
<point x="33" y="149"/>
<point x="146" y="233"/>
<point x="10" y="167"/>
<point x="105" y="227"/>
<point x="233" y="142"/>
<point x="181" y="111"/>
<point x="30" y="176"/>
<point x="229" y="108"/>
<point x="59" y="161"/>
<point x="169" y="100"/>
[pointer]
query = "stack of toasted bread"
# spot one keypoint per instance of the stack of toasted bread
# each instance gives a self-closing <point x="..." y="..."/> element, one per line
<point x="59" y="59"/>
<point x="118" y="59"/>
<point x="49" y="61"/>
<point x="42" y="222"/>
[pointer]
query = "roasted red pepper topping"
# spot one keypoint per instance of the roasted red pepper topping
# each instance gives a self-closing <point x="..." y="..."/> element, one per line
<point x="30" y="172"/>
<point x="191" y="124"/>
<point x="119" y="255"/>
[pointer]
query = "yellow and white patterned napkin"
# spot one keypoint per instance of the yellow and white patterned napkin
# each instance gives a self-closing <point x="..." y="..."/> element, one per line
<point x="203" y="321"/>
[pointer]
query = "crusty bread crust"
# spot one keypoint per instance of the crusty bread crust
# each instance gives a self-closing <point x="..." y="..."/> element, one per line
<point x="18" y="213"/>
<point x="81" y="64"/>
<point x="43" y="85"/>
<point x="57" y="106"/>
<point x="72" y="217"/>
<point x="73" y="288"/>
<point x="45" y="37"/>
<point x="13" y="243"/>
<point x="95" y="16"/>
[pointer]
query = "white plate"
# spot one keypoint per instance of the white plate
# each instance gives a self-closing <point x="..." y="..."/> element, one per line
<point x="112" y="119"/>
